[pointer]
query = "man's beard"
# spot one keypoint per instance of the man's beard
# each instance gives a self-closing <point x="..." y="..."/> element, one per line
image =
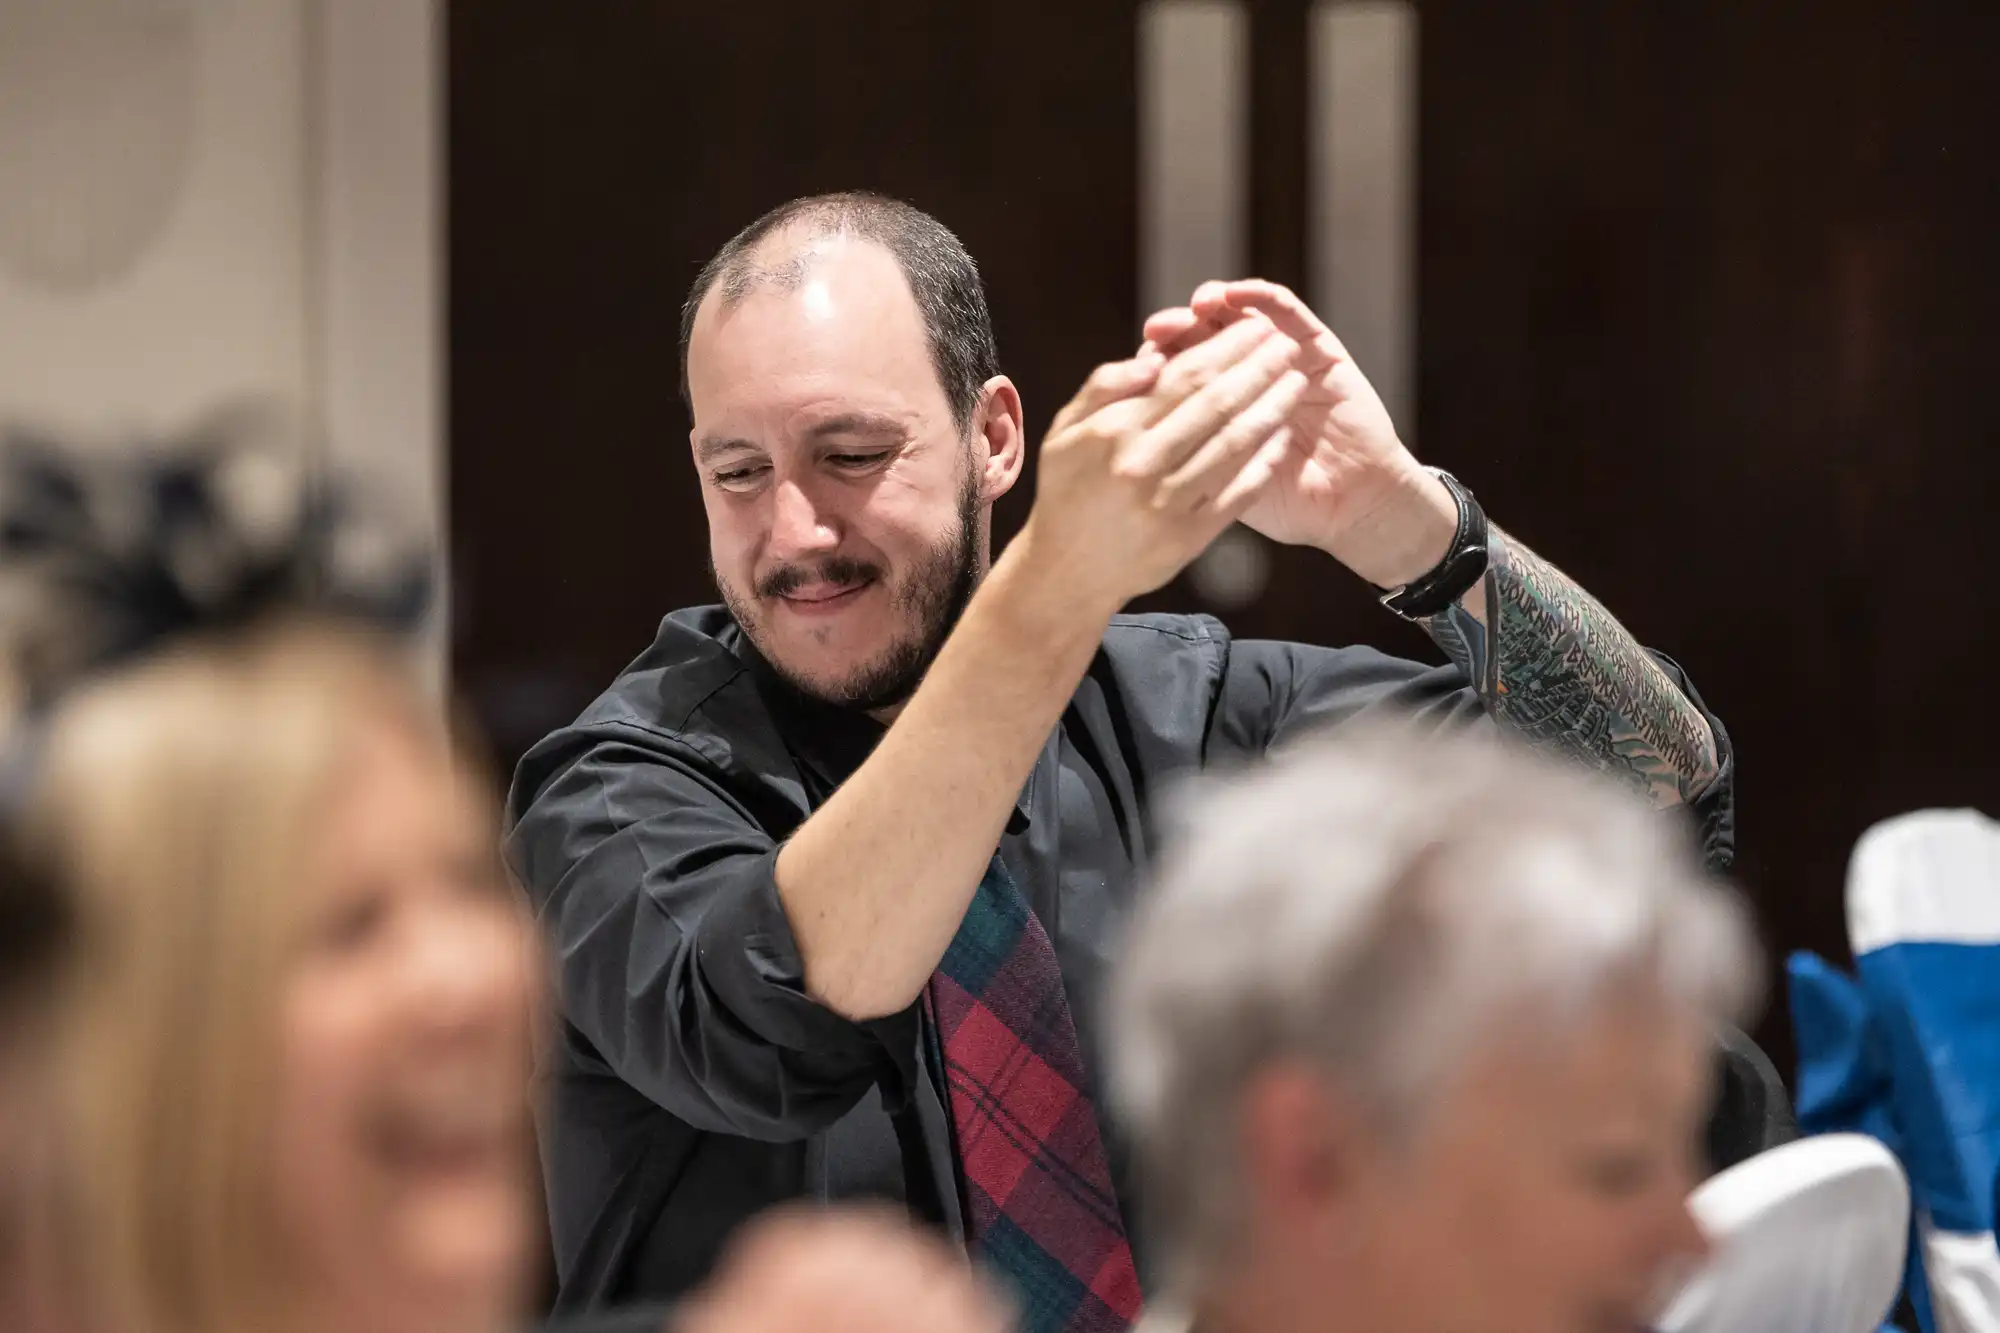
<point x="934" y="595"/>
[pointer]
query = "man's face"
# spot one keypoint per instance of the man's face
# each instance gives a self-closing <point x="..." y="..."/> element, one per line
<point x="1545" y="1193"/>
<point x="844" y="506"/>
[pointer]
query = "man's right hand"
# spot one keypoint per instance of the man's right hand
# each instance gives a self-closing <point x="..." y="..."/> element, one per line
<point x="1154" y="457"/>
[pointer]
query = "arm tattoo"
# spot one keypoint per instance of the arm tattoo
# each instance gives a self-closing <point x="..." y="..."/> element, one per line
<point x="1568" y="675"/>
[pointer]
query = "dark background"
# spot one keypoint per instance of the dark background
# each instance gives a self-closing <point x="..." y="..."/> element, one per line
<point x="1706" y="315"/>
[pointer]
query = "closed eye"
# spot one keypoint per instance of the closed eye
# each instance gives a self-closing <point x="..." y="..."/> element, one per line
<point x="856" y="462"/>
<point x="739" y="476"/>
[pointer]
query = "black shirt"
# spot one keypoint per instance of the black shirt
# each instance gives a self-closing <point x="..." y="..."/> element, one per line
<point x="693" y="1082"/>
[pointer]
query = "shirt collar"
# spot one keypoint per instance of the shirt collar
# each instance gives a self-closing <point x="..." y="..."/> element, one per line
<point x="832" y="741"/>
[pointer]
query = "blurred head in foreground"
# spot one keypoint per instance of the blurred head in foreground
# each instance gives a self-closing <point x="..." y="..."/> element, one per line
<point x="302" y="1053"/>
<point x="853" y="1270"/>
<point x="300" y="1049"/>
<point x="1414" y="1037"/>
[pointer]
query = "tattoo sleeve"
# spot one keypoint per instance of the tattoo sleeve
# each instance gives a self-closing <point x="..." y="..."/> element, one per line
<point x="1561" y="671"/>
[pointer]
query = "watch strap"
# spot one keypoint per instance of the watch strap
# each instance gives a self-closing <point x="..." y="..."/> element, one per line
<point x="1464" y="564"/>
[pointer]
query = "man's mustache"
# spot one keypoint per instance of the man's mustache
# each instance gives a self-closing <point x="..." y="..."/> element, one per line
<point x="840" y="570"/>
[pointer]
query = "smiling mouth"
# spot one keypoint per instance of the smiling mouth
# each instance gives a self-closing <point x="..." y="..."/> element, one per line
<point x="446" y="1141"/>
<point x="823" y="600"/>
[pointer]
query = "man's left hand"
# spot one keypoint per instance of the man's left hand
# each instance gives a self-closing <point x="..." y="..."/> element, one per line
<point x="1360" y="495"/>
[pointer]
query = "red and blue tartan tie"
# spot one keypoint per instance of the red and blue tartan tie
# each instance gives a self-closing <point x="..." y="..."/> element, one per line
<point x="1040" y="1208"/>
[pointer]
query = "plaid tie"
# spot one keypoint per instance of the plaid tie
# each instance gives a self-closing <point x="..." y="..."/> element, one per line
<point x="1040" y="1207"/>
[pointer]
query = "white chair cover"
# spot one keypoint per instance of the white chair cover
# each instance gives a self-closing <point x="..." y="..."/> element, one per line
<point x="1809" y="1238"/>
<point x="1923" y="916"/>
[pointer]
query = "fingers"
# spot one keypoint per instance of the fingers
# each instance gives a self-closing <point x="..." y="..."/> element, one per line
<point x="1283" y="307"/>
<point x="1280" y="303"/>
<point x="1178" y="329"/>
<point x="1216" y="303"/>
<point x="1169" y="333"/>
<point x="1111" y="382"/>
<point x="1222" y="393"/>
<point x="1187" y="373"/>
<point x="1216" y="464"/>
<point x="1211" y="301"/>
<point x="1278" y="463"/>
<point x="1164" y="326"/>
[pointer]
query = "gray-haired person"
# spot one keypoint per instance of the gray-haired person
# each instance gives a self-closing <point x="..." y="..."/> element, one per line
<point x="1415" y="1036"/>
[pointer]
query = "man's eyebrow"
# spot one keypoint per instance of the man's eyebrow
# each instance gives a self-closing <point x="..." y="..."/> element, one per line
<point x="872" y="424"/>
<point x="712" y="447"/>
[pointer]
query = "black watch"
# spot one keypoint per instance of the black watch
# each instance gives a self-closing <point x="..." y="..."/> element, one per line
<point x="1463" y="565"/>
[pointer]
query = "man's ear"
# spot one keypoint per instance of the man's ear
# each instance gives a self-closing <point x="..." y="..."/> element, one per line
<point x="999" y="438"/>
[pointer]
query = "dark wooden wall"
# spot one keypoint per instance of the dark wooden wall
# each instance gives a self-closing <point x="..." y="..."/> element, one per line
<point x="601" y="153"/>
<point x="1708" y="308"/>
<point x="1707" y="296"/>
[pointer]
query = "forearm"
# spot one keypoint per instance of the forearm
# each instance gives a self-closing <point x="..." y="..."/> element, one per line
<point x="876" y="882"/>
<point x="1553" y="665"/>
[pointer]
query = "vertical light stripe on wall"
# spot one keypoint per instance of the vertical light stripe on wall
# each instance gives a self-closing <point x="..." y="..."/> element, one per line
<point x="1194" y="135"/>
<point x="378" y="236"/>
<point x="1363" y="228"/>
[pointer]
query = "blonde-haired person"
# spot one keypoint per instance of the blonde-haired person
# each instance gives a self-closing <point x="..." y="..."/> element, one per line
<point x="298" y="1052"/>
<point x="301" y="1053"/>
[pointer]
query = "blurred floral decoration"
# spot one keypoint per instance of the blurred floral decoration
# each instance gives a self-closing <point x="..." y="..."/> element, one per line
<point x="105" y="554"/>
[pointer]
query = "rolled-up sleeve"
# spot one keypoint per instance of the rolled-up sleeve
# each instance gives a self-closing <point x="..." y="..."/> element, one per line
<point x="1273" y="693"/>
<point x="675" y="959"/>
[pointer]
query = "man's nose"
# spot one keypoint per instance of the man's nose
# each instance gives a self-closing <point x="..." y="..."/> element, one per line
<point x="799" y="526"/>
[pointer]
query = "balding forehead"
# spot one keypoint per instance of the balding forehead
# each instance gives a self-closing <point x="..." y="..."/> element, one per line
<point x="849" y="326"/>
<point x="786" y="276"/>
<point x="784" y="261"/>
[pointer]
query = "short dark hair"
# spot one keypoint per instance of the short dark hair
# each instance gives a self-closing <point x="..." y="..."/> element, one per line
<point x="941" y="273"/>
<point x="36" y="924"/>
